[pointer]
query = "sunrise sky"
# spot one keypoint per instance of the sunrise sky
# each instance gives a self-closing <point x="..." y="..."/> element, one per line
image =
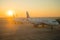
<point x="36" y="8"/>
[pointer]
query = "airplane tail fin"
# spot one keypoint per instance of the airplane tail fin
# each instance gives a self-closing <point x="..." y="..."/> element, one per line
<point x="27" y="14"/>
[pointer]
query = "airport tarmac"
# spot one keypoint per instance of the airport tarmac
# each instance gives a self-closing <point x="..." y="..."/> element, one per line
<point x="11" y="31"/>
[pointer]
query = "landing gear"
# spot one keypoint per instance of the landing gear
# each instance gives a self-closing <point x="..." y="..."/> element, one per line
<point x="35" y="25"/>
<point x="42" y="25"/>
<point x="51" y="28"/>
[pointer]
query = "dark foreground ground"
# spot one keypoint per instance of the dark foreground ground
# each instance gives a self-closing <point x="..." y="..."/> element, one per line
<point x="11" y="31"/>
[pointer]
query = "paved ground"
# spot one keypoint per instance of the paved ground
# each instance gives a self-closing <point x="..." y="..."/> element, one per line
<point x="11" y="31"/>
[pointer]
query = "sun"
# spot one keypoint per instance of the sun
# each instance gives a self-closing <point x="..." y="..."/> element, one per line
<point x="10" y="12"/>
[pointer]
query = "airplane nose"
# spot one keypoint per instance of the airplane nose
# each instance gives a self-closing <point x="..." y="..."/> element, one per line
<point x="58" y="20"/>
<point x="57" y="23"/>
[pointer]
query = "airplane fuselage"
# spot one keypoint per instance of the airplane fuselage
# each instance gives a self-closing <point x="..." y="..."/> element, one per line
<point x="43" y="20"/>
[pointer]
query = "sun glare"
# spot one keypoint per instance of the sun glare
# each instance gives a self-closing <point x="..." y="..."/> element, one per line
<point x="10" y="13"/>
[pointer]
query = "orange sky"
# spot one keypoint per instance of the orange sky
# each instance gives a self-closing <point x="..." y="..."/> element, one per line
<point x="36" y="8"/>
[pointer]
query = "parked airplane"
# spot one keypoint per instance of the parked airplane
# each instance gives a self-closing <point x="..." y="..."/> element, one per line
<point x="19" y="20"/>
<point x="37" y="21"/>
<point x="41" y="21"/>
